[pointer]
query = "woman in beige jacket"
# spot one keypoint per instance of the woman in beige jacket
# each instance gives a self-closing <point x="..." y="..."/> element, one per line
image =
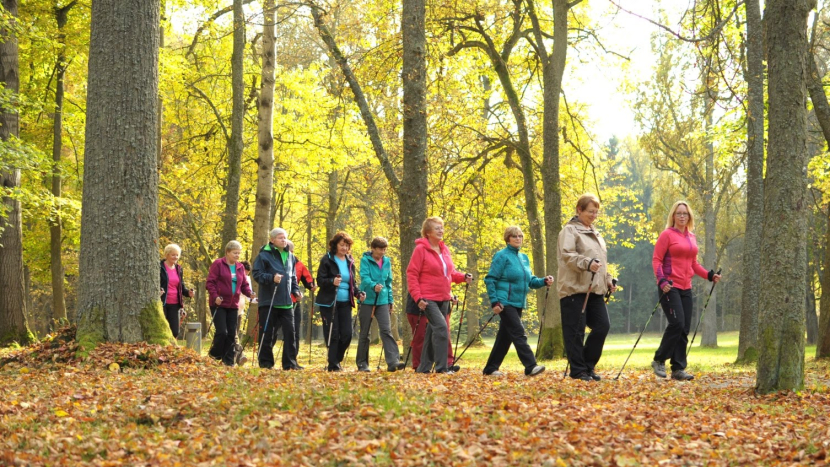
<point x="582" y="281"/>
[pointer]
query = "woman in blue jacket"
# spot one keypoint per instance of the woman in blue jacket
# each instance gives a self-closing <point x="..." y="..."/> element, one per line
<point x="376" y="283"/>
<point x="508" y="282"/>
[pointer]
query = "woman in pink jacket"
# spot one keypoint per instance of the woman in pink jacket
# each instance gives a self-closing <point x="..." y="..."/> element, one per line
<point x="675" y="259"/>
<point x="430" y="275"/>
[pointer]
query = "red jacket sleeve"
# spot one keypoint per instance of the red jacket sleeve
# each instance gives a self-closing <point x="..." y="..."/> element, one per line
<point x="700" y="270"/>
<point x="413" y="273"/>
<point x="660" y="249"/>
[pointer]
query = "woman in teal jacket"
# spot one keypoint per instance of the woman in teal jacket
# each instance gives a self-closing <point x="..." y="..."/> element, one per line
<point x="508" y="282"/>
<point x="376" y="283"/>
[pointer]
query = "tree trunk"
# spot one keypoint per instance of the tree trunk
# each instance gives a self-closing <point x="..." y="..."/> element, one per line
<point x="810" y="304"/>
<point x="472" y="315"/>
<point x="119" y="288"/>
<point x="823" y="340"/>
<point x="236" y="144"/>
<point x="709" y="335"/>
<point x="55" y="227"/>
<point x="13" y="326"/>
<point x="781" y="322"/>
<point x="748" y="335"/>
<point x="413" y="206"/>
<point x="310" y="266"/>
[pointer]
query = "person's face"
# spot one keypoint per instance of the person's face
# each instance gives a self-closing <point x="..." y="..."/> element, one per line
<point x="281" y="240"/>
<point x="516" y="239"/>
<point x="233" y="255"/>
<point x="378" y="253"/>
<point x="681" y="217"/>
<point x="588" y="215"/>
<point x="437" y="232"/>
<point x="172" y="257"/>
<point x="343" y="248"/>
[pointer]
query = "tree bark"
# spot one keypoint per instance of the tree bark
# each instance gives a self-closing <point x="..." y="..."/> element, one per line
<point x="13" y="325"/>
<point x="236" y="144"/>
<point x="709" y="335"/>
<point x="781" y="322"/>
<point x="472" y="315"/>
<point x="119" y="288"/>
<point x="748" y="335"/>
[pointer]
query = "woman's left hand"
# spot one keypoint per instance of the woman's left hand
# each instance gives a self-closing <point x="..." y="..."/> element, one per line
<point x="612" y="287"/>
<point x="716" y="278"/>
<point x="548" y="281"/>
<point x="468" y="278"/>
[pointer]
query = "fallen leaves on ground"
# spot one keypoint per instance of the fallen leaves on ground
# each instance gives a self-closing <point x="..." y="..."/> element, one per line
<point x="197" y="412"/>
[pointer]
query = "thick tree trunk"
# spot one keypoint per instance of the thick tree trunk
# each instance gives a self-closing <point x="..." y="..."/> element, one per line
<point x="13" y="326"/>
<point x="781" y="322"/>
<point x="236" y="144"/>
<point x="119" y="289"/>
<point x="810" y="304"/>
<point x="413" y="206"/>
<point x="748" y="336"/>
<point x="55" y="228"/>
<point x="709" y="334"/>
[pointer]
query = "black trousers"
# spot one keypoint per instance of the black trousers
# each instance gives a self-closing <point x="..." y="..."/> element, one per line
<point x="224" y="320"/>
<point x="171" y="313"/>
<point x="269" y="325"/>
<point x="584" y="357"/>
<point x="677" y="306"/>
<point x="337" y="329"/>
<point x="511" y="331"/>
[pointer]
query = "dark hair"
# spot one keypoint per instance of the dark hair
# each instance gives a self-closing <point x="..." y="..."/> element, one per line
<point x="379" y="242"/>
<point x="246" y="265"/>
<point x="336" y="239"/>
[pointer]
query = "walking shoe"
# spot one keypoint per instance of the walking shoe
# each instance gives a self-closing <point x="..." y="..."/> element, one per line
<point x="681" y="375"/>
<point x="446" y="372"/>
<point x="454" y="368"/>
<point x="334" y="368"/>
<point x="536" y="370"/>
<point x="595" y="376"/>
<point x="495" y="373"/>
<point x="583" y="376"/>
<point x="659" y="368"/>
<point x="242" y="360"/>
<point x="299" y="367"/>
<point x="364" y="370"/>
<point x="396" y="367"/>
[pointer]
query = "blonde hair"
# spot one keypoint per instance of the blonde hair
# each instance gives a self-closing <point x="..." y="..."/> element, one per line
<point x="511" y="231"/>
<point x="429" y="225"/>
<point x="233" y="245"/>
<point x="172" y="247"/>
<point x="670" y="219"/>
<point x="586" y="200"/>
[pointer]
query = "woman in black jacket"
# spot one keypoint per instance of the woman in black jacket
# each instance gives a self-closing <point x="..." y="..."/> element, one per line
<point x="171" y="278"/>
<point x="336" y="279"/>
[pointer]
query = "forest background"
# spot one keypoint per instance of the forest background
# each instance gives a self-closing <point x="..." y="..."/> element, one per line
<point x="641" y="124"/>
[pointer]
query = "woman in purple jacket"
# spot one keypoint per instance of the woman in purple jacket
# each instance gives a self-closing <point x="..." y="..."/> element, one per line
<point x="226" y="282"/>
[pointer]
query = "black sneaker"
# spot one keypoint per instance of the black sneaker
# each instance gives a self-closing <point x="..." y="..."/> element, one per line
<point x="595" y="376"/>
<point x="583" y="376"/>
<point x="454" y="368"/>
<point x="681" y="375"/>
<point x="334" y="368"/>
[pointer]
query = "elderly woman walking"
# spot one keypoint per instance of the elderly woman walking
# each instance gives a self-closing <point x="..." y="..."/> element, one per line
<point x="171" y="278"/>
<point x="226" y="282"/>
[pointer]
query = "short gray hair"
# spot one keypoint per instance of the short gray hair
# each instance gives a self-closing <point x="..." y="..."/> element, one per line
<point x="170" y="248"/>
<point x="276" y="232"/>
<point x="289" y="246"/>
<point x="233" y="245"/>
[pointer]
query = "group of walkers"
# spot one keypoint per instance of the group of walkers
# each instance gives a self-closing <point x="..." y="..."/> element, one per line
<point x="584" y="286"/>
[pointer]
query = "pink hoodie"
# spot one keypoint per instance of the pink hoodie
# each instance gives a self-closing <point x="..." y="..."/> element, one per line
<point x="425" y="273"/>
<point x="675" y="259"/>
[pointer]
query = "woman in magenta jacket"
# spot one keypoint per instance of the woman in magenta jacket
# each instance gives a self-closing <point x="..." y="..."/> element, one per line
<point x="675" y="260"/>
<point x="430" y="275"/>
<point x="225" y="283"/>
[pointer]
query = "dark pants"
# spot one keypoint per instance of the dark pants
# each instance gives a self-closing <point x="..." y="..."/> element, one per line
<point x="583" y="358"/>
<point x="390" y="346"/>
<point x="270" y="324"/>
<point x="224" y="320"/>
<point x="171" y="313"/>
<point x="418" y="333"/>
<point x="339" y="335"/>
<point x="298" y="322"/>
<point x="511" y="331"/>
<point x="677" y="306"/>
<point x="436" y="338"/>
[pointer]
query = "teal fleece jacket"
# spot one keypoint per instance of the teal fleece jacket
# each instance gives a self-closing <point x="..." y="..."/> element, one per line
<point x="371" y="275"/>
<point x="509" y="278"/>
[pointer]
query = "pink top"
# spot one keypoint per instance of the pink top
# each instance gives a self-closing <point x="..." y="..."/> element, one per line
<point x="380" y="264"/>
<point x="172" y="285"/>
<point x="430" y="276"/>
<point x="675" y="259"/>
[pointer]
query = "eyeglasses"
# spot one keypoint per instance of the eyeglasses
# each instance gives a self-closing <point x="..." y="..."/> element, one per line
<point x="517" y="236"/>
<point x="681" y="214"/>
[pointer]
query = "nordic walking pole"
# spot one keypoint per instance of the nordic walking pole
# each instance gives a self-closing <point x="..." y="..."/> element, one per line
<point x="542" y="320"/>
<point x="455" y="362"/>
<point x="584" y="305"/>
<point x="662" y="294"/>
<point x="700" y="318"/>
<point x="267" y="318"/>
<point x="461" y="318"/>
<point x="417" y="325"/>
<point x="310" y="322"/>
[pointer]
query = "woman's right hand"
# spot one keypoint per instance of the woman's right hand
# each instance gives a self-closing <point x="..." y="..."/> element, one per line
<point x="378" y="288"/>
<point x="498" y="308"/>
<point x="595" y="265"/>
<point x="218" y="301"/>
<point x="337" y="281"/>
<point x="422" y="304"/>
<point x="666" y="288"/>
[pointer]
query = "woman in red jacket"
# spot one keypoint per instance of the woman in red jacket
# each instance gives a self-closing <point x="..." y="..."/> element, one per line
<point x="675" y="259"/>
<point x="430" y="275"/>
<point x="225" y="283"/>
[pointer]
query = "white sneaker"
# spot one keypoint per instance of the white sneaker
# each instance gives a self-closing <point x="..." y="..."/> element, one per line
<point x="496" y="373"/>
<point x="536" y="370"/>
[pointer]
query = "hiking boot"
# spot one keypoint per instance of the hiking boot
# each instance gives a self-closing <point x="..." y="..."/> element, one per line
<point x="659" y="368"/>
<point x="495" y="373"/>
<point x="595" y="376"/>
<point x="396" y="367"/>
<point x="536" y="370"/>
<point x="583" y="376"/>
<point x="454" y="368"/>
<point x="681" y="375"/>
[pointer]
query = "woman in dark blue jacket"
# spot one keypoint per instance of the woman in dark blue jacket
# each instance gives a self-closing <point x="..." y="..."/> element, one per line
<point x="336" y="280"/>
<point x="274" y="272"/>
<point x="508" y="282"/>
<point x="171" y="279"/>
